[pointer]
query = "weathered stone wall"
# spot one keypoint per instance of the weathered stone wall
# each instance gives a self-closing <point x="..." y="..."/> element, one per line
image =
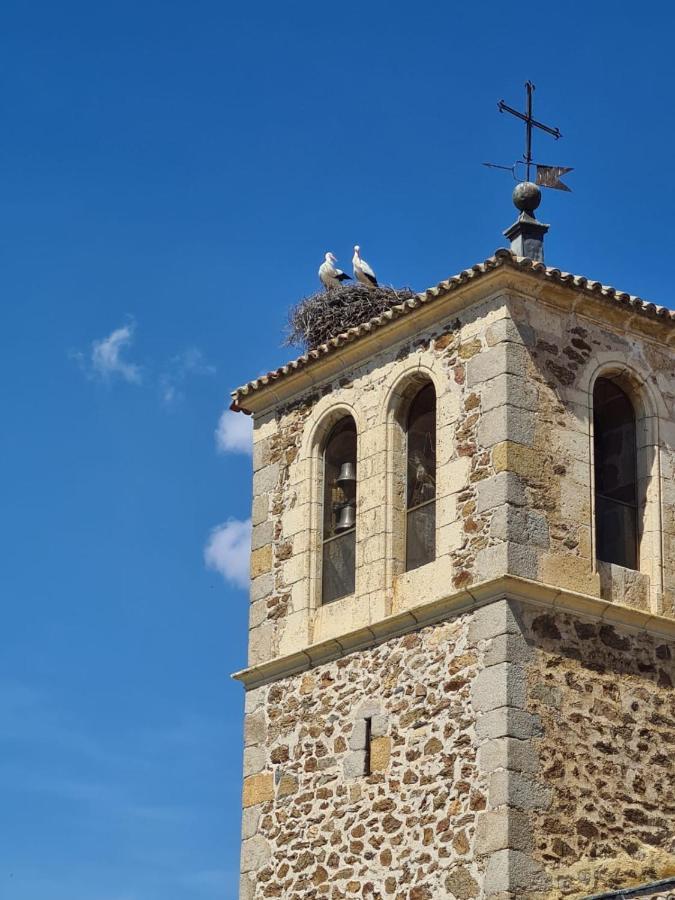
<point x="314" y="825"/>
<point x="514" y="489"/>
<point x="605" y="700"/>
<point x="514" y="752"/>
<point x="286" y="613"/>
<point x="542" y="449"/>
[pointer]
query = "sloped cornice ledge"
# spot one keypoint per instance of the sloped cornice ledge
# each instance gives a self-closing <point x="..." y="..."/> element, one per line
<point x="506" y="587"/>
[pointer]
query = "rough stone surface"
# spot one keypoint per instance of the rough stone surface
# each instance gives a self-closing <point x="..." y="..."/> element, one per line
<point x="607" y="754"/>
<point x="515" y="753"/>
<point x="408" y="829"/>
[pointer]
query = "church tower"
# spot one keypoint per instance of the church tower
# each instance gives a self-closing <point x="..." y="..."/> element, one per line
<point x="462" y="609"/>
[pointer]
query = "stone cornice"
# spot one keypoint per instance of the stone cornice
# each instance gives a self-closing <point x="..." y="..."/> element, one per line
<point x="507" y="587"/>
<point x="585" y="297"/>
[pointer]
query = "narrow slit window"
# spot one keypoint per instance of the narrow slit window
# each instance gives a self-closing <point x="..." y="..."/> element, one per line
<point x="421" y="480"/>
<point x="339" y="512"/>
<point x="367" y="766"/>
<point x="615" y="457"/>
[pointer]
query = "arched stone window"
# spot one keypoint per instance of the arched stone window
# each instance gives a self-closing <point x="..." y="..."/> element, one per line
<point x="616" y="479"/>
<point x="421" y="479"/>
<point x="338" y="570"/>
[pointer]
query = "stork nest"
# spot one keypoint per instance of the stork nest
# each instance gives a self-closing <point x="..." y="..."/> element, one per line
<point x="321" y="316"/>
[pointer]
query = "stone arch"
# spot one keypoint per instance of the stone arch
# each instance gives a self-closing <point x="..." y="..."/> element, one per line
<point x="323" y="418"/>
<point x="649" y="406"/>
<point x="400" y="394"/>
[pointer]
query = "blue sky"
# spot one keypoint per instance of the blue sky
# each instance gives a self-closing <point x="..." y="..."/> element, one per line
<point x="171" y="175"/>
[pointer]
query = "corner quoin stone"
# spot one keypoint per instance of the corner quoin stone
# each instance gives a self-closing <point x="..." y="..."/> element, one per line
<point x="258" y="789"/>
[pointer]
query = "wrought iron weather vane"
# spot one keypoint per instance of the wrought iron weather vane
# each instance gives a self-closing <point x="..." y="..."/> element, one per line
<point x="546" y="176"/>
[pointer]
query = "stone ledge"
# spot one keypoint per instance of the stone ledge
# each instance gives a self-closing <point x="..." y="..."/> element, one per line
<point x="507" y="587"/>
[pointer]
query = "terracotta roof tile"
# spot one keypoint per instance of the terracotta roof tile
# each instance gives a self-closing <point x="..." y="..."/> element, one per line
<point x="501" y="258"/>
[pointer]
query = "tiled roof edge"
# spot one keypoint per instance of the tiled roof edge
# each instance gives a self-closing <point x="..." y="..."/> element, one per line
<point x="501" y="257"/>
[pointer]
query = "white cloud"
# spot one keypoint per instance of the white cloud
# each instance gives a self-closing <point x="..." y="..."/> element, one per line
<point x="234" y="433"/>
<point x="228" y="551"/>
<point x="106" y="356"/>
<point x="171" y="382"/>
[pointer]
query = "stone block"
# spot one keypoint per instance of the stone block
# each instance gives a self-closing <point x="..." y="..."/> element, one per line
<point x="261" y="587"/>
<point x="513" y="871"/>
<point x="255" y="854"/>
<point x="509" y="330"/>
<point x="260" y="509"/>
<point x="380" y="754"/>
<point x="508" y="753"/>
<point x="250" y="819"/>
<point x="571" y="572"/>
<point x="378" y="726"/>
<point x="503" y="829"/>
<point x="262" y="535"/>
<point x="257" y="614"/>
<point x="503" y="358"/>
<point x="506" y="423"/>
<point x="626" y="586"/>
<point x="254" y="760"/>
<point x="500" y="685"/>
<point x="357" y="739"/>
<point x="508" y="558"/>
<point x="498" y="617"/>
<point x="498" y="490"/>
<point x="261" y="561"/>
<point x="508" y="648"/>
<point x="255" y="728"/>
<point x="527" y="462"/>
<point x="265" y="479"/>
<point x="247" y="887"/>
<point x="288" y="785"/>
<point x="354" y="765"/>
<point x="522" y="526"/>
<point x="258" y="789"/>
<point x="507" y="721"/>
<point x="254" y="699"/>
<point x="261" y="453"/>
<point x="511" y="389"/>
<point x="519" y="791"/>
<point x="260" y="644"/>
<point x="461" y="884"/>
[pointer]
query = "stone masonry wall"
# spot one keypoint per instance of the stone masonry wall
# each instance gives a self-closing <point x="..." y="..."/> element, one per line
<point x="606" y="703"/>
<point x="514" y="496"/>
<point x="315" y="825"/>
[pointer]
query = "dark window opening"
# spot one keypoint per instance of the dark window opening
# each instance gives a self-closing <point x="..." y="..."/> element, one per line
<point x="339" y="512"/>
<point x="615" y="456"/>
<point x="369" y="738"/>
<point x="421" y="480"/>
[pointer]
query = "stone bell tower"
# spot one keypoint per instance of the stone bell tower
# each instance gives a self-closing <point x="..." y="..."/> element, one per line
<point x="462" y="616"/>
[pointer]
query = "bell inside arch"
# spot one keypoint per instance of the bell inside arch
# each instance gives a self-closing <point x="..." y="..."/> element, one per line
<point x="347" y="474"/>
<point x="346" y="518"/>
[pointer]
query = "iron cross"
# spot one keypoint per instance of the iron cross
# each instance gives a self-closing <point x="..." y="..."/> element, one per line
<point x="530" y="123"/>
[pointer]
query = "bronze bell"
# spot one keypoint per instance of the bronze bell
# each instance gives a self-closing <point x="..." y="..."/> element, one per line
<point x="347" y="517"/>
<point x="347" y="474"/>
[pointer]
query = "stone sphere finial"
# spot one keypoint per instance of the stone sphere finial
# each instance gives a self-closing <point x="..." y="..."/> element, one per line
<point x="526" y="196"/>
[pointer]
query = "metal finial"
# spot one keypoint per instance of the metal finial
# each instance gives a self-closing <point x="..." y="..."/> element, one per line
<point x="526" y="196"/>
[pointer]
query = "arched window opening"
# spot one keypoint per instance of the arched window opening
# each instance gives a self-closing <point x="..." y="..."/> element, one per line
<point x="421" y="480"/>
<point x="616" y="495"/>
<point x="339" y="512"/>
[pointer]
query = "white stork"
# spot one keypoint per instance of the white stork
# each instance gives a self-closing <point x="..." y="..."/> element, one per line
<point x="329" y="275"/>
<point x="362" y="270"/>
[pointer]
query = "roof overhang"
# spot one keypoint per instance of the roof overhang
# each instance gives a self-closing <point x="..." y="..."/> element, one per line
<point x="499" y="272"/>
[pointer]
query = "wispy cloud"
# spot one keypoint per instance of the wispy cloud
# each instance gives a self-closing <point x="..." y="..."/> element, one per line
<point x="234" y="433"/>
<point x="228" y="551"/>
<point x="107" y="360"/>
<point x="183" y="365"/>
